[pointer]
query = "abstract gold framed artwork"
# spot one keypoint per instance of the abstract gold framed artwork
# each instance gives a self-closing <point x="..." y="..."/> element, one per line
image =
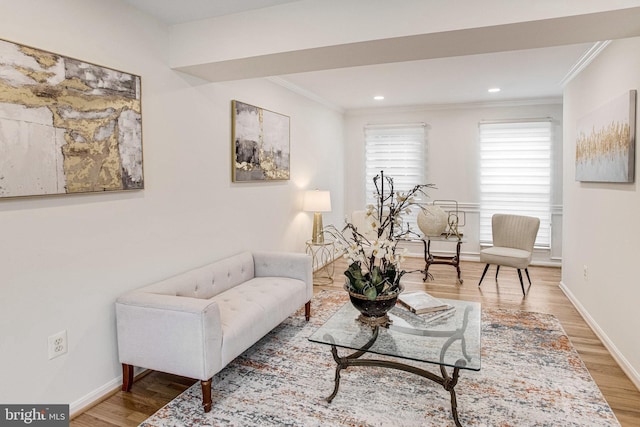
<point x="66" y="126"/>
<point x="260" y="144"/>
<point x="605" y="142"/>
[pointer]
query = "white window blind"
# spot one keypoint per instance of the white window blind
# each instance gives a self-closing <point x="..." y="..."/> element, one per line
<point x="515" y="174"/>
<point x="399" y="151"/>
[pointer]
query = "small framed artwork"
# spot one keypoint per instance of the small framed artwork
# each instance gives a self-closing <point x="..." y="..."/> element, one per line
<point x="66" y="126"/>
<point x="260" y="144"/>
<point x="605" y="142"/>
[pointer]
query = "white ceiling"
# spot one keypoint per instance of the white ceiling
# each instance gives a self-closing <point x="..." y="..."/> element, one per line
<point x="521" y="75"/>
<point x="179" y="11"/>
<point x="524" y="74"/>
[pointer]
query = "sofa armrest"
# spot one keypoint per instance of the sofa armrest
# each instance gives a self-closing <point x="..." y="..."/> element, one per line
<point x="284" y="264"/>
<point x="178" y="335"/>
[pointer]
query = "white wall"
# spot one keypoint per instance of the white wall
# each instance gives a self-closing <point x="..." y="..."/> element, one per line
<point x="452" y="157"/>
<point x="64" y="260"/>
<point x="601" y="227"/>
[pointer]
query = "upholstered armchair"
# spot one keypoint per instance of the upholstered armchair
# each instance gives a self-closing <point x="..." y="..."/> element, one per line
<point x="513" y="240"/>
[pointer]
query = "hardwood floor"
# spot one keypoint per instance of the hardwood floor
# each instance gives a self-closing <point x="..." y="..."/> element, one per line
<point x="156" y="389"/>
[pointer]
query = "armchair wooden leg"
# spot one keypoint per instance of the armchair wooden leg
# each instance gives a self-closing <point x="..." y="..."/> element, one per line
<point x="206" y="394"/>
<point x="483" y="273"/>
<point x="497" y="271"/>
<point x="521" y="282"/>
<point x="307" y="310"/>
<point x="127" y="377"/>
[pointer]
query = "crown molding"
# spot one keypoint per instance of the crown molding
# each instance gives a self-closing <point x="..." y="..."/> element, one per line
<point x="584" y="60"/>
<point x="456" y="106"/>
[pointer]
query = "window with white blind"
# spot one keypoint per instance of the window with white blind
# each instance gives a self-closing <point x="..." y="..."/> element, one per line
<point x="515" y="174"/>
<point x="400" y="151"/>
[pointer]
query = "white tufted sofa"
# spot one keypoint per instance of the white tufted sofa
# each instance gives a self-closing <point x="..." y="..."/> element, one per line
<point x="195" y="323"/>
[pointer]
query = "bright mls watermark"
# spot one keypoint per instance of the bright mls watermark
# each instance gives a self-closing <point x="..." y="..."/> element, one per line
<point x="34" y="415"/>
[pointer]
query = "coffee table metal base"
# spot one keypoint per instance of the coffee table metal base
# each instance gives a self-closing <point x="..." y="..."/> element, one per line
<point x="448" y="382"/>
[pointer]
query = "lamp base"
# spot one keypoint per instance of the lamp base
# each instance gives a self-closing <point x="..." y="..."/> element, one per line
<point x="317" y="236"/>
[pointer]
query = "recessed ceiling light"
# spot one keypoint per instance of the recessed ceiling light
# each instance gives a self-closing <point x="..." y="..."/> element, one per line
<point x="378" y="97"/>
<point x="494" y="90"/>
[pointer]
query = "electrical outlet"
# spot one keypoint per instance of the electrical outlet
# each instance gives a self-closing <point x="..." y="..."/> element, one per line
<point x="58" y="344"/>
<point x="585" y="272"/>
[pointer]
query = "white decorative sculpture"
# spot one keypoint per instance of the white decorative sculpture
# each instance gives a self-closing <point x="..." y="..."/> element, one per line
<point x="432" y="220"/>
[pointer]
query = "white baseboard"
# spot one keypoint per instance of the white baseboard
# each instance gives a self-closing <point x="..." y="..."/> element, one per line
<point x="633" y="375"/>
<point x="475" y="257"/>
<point x="85" y="402"/>
<point x="97" y="395"/>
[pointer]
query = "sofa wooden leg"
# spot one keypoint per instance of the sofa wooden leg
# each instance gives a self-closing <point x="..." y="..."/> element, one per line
<point x="127" y="377"/>
<point x="307" y="311"/>
<point x="206" y="394"/>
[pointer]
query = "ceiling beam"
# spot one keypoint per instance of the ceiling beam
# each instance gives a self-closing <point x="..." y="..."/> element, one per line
<point x="621" y="23"/>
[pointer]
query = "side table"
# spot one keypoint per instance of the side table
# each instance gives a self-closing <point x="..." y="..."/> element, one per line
<point x="430" y="259"/>
<point x="322" y="257"/>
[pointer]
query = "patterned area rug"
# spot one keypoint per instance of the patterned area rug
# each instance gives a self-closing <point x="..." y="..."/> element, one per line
<point x="531" y="376"/>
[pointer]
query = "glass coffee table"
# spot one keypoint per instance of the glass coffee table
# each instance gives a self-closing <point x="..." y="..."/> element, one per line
<point x="450" y="342"/>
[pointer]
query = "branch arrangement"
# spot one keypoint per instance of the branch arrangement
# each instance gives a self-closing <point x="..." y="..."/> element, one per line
<point x="374" y="268"/>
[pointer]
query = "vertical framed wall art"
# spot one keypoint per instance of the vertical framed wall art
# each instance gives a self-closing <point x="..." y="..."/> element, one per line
<point x="260" y="144"/>
<point x="66" y="126"/>
<point x="605" y="142"/>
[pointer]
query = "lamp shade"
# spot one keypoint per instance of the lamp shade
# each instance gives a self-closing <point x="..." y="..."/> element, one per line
<point x="317" y="201"/>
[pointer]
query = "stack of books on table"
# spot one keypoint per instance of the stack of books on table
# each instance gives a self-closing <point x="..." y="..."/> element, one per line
<point x="426" y="306"/>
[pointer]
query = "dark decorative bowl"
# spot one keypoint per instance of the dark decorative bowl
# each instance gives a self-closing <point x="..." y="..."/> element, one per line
<point x="373" y="311"/>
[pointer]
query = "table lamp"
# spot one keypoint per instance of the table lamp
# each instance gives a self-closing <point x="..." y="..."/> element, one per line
<point x="317" y="201"/>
